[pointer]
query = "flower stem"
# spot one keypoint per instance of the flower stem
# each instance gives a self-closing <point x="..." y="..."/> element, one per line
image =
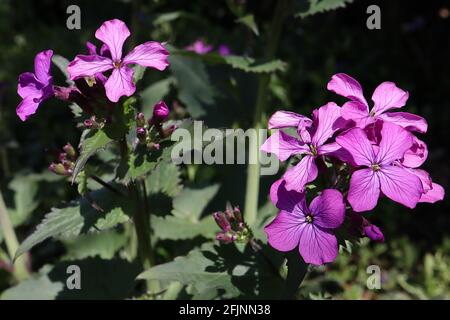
<point x="253" y="169"/>
<point x="20" y="265"/>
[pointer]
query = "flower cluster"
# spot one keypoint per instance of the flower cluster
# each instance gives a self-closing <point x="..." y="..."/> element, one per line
<point x="233" y="227"/>
<point x="100" y="79"/>
<point x="150" y="132"/>
<point x="66" y="161"/>
<point x="375" y="149"/>
<point x="201" y="47"/>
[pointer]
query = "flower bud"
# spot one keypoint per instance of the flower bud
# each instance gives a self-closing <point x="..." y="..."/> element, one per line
<point x="160" y="113"/>
<point x="225" y="237"/>
<point x="140" y="120"/>
<point x="238" y="215"/>
<point x="58" y="168"/>
<point x="374" y="233"/>
<point x="62" y="157"/>
<point x="153" y="146"/>
<point x="70" y="151"/>
<point x="141" y="134"/>
<point x="222" y="221"/>
<point x="88" y="124"/>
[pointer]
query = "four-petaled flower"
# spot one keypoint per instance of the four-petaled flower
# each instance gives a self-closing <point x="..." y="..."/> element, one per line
<point x="308" y="228"/>
<point x="380" y="170"/>
<point x="386" y="96"/>
<point x="313" y="135"/>
<point x="35" y="87"/>
<point x="120" y="83"/>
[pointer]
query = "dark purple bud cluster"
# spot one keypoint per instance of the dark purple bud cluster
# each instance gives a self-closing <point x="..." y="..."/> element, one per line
<point x="233" y="227"/>
<point x="151" y="132"/>
<point x="66" y="161"/>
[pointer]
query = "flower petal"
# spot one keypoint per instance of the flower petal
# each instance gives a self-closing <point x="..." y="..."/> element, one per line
<point x="286" y="119"/>
<point x="113" y="33"/>
<point x="283" y="233"/>
<point x="415" y="156"/>
<point x="317" y="246"/>
<point x="42" y="63"/>
<point x="436" y="193"/>
<point x="355" y="141"/>
<point x="328" y="148"/>
<point x="298" y="176"/>
<point x="119" y="84"/>
<point x="388" y="96"/>
<point x="400" y="185"/>
<point x="29" y="86"/>
<point x="395" y="141"/>
<point x="283" y="145"/>
<point x="327" y="123"/>
<point x="287" y="200"/>
<point x="27" y="107"/>
<point x="328" y="209"/>
<point x="88" y="66"/>
<point x="406" y="120"/>
<point x="346" y="86"/>
<point x="364" y="190"/>
<point x="150" y="54"/>
<point x="358" y="112"/>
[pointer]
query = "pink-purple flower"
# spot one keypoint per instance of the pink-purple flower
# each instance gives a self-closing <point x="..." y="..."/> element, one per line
<point x="35" y="87"/>
<point x="379" y="172"/>
<point x="387" y="96"/>
<point x="120" y="83"/>
<point x="310" y="228"/>
<point x="200" y="47"/>
<point x="312" y="141"/>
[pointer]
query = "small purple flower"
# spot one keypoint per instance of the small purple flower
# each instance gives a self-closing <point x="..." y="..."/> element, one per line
<point x="224" y="50"/>
<point x="374" y="233"/>
<point x="386" y="96"/>
<point x="312" y="142"/>
<point x="308" y="228"/>
<point x="34" y="88"/>
<point x="380" y="171"/>
<point x="160" y="112"/>
<point x="200" y="47"/>
<point x="113" y="34"/>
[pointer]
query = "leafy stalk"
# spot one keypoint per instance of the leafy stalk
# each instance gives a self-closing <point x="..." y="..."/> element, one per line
<point x="253" y="171"/>
<point x="20" y="268"/>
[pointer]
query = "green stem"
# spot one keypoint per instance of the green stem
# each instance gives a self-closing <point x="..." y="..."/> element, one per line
<point x="20" y="265"/>
<point x="253" y="170"/>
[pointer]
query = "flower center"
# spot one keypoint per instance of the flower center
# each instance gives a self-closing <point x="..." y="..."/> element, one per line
<point x="372" y="113"/>
<point x="117" y="64"/>
<point x="309" y="218"/>
<point x="375" y="167"/>
<point x="313" y="149"/>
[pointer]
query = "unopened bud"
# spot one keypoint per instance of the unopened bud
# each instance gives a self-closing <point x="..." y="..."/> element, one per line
<point x="238" y="215"/>
<point x="160" y="113"/>
<point x="222" y="221"/>
<point x="374" y="233"/>
<point x="153" y="146"/>
<point x="62" y="157"/>
<point x="70" y="151"/>
<point x="88" y="123"/>
<point x="225" y="237"/>
<point x="58" y="168"/>
<point x="140" y="120"/>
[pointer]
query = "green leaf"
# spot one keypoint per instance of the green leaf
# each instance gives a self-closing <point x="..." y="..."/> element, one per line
<point x="94" y="141"/>
<point x="155" y="93"/>
<point x="138" y="73"/>
<point x="249" y="21"/>
<point x="104" y="244"/>
<point x="190" y="203"/>
<point x="221" y="271"/>
<point x="165" y="178"/>
<point x="319" y="6"/>
<point x="99" y="279"/>
<point x="176" y="228"/>
<point x="195" y="89"/>
<point x="25" y="190"/>
<point x="80" y="217"/>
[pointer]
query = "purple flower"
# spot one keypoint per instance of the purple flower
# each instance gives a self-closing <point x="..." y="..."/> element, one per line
<point x="380" y="170"/>
<point x="374" y="233"/>
<point x="113" y="34"/>
<point x="35" y="87"/>
<point x="313" y="135"/>
<point x="386" y="96"/>
<point x="224" y="50"/>
<point x="160" y="112"/>
<point x="309" y="228"/>
<point x="432" y="191"/>
<point x="200" y="47"/>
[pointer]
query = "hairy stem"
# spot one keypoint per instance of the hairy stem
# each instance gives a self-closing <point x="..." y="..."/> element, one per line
<point x="20" y="265"/>
<point x="253" y="169"/>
